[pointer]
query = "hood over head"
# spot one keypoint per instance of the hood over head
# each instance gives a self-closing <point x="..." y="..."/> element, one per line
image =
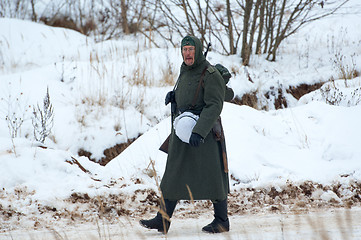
<point x="198" y="57"/>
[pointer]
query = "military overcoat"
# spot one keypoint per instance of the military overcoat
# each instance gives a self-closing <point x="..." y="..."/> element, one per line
<point x="198" y="169"/>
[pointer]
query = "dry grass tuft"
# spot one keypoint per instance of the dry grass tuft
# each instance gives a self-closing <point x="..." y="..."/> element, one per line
<point x="140" y="77"/>
<point x="168" y="77"/>
<point x="249" y="99"/>
<point x="345" y="66"/>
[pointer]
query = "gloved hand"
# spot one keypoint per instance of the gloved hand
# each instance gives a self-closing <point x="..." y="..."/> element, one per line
<point x="169" y="97"/>
<point x="195" y="140"/>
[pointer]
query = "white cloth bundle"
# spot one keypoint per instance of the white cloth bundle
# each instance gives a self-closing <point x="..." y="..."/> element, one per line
<point x="184" y="124"/>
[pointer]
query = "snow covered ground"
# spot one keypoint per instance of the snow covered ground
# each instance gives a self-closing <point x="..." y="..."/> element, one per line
<point x="283" y="163"/>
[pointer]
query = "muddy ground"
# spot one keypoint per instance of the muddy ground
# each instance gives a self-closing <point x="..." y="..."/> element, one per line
<point x="20" y="213"/>
<point x="316" y="224"/>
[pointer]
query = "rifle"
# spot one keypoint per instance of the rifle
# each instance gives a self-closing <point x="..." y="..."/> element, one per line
<point x="208" y="46"/>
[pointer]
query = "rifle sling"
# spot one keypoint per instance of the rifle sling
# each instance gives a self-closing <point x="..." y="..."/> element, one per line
<point x="198" y="89"/>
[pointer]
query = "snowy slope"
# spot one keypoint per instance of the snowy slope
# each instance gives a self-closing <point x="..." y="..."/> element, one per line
<point x="106" y="93"/>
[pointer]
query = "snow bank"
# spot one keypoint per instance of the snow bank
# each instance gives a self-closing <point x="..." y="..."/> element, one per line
<point x="26" y="44"/>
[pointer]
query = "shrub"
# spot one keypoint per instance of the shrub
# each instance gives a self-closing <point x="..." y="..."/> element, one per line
<point x="43" y="119"/>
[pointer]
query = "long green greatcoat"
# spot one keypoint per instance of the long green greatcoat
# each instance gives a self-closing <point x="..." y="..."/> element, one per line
<point x="199" y="168"/>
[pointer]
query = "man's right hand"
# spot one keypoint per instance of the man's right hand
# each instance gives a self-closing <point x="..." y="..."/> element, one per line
<point x="195" y="140"/>
<point x="169" y="97"/>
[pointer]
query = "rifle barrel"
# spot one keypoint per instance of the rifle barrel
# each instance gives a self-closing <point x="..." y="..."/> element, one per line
<point x="206" y="52"/>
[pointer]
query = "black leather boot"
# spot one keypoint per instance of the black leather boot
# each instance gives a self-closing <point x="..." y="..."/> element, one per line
<point x="220" y="222"/>
<point x="158" y="222"/>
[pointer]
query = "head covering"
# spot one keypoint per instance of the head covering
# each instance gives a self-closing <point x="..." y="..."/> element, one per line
<point x="187" y="41"/>
<point x="198" y="57"/>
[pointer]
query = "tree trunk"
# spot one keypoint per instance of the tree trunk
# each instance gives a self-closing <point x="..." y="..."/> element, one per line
<point x="245" y="47"/>
<point x="230" y="29"/>
<point x="124" y="14"/>
<point x="272" y="16"/>
<point x="34" y="16"/>
<point x="279" y="35"/>
<point x="267" y="22"/>
<point x="260" y="29"/>
<point x="253" y="28"/>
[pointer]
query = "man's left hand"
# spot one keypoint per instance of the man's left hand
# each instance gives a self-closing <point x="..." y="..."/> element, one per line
<point x="195" y="140"/>
<point x="169" y="98"/>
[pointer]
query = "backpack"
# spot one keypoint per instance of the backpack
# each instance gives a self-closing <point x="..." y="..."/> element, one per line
<point x="226" y="75"/>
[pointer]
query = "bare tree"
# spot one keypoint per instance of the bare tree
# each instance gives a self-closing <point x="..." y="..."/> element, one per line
<point x="15" y="9"/>
<point x="232" y="48"/>
<point x="118" y="17"/>
<point x="34" y="16"/>
<point x="124" y="10"/>
<point x="229" y="25"/>
<point x="275" y="20"/>
<point x="291" y="16"/>
<point x="194" y="19"/>
<point x="261" y="26"/>
<point x="223" y="26"/>
<point x="249" y="29"/>
<point x="245" y="52"/>
<point x="204" y="18"/>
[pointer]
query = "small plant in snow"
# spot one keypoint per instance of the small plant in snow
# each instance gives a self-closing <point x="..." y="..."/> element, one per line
<point x="67" y="71"/>
<point x="14" y="124"/>
<point x="345" y="67"/>
<point x="333" y="95"/>
<point x="43" y="119"/>
<point x="15" y="113"/>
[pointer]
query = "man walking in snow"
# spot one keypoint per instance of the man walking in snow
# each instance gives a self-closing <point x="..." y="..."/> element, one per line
<point x="195" y="170"/>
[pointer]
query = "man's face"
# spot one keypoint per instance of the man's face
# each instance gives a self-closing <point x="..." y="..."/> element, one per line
<point x="188" y="53"/>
